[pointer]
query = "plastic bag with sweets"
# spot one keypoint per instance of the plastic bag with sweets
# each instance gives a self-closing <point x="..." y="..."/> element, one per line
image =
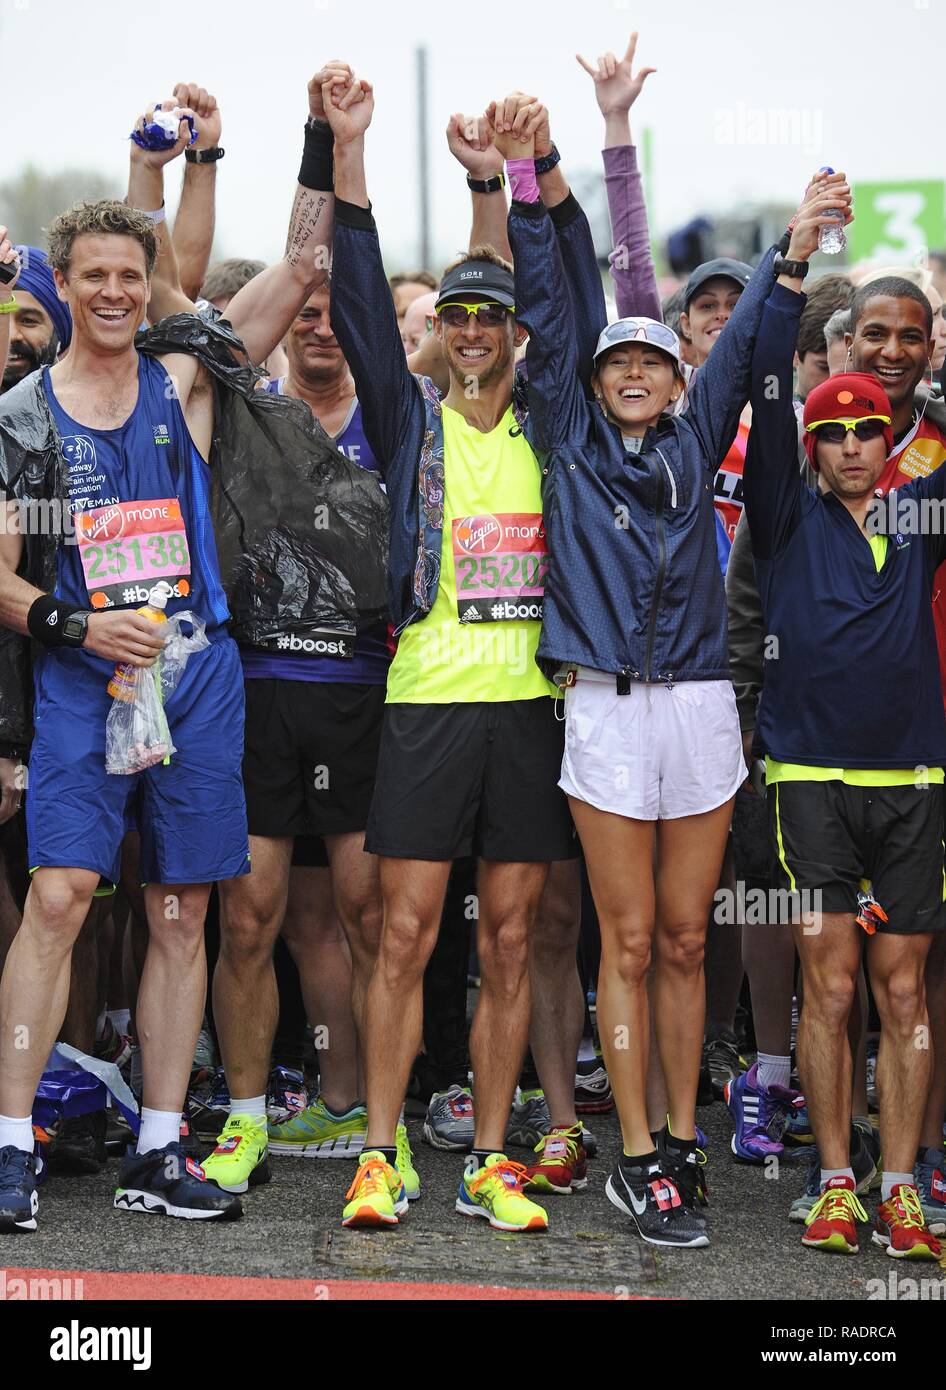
<point x="136" y="731"/>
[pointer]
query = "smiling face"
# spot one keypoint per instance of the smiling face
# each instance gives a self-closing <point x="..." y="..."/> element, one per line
<point x="891" y="343"/>
<point x="476" y="352"/>
<point x="708" y="313"/>
<point x="636" y="383"/>
<point x="107" y="290"/>
<point x="850" y="470"/>
<point x="31" y="333"/>
<point x="315" y="357"/>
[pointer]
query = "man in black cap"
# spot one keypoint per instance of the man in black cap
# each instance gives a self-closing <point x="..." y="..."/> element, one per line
<point x="470" y="747"/>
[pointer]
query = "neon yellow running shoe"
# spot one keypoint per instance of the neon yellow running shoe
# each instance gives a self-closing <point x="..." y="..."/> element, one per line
<point x="405" y="1165"/>
<point x="376" y="1196"/>
<point x="495" y="1191"/>
<point x="316" y="1132"/>
<point x="240" y="1159"/>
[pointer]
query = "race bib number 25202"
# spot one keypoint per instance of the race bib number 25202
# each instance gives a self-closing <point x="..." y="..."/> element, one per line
<point x="500" y="562"/>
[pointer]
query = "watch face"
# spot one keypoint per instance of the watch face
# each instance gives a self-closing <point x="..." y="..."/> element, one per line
<point x="74" y="628"/>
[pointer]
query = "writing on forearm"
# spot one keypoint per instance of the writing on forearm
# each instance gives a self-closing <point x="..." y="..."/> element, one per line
<point x="308" y="212"/>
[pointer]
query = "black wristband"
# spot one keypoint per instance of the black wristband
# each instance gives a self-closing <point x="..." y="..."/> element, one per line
<point x="490" y="185"/>
<point x="547" y="162"/>
<point x="46" y="621"/>
<point x="209" y="156"/>
<point x="317" y="168"/>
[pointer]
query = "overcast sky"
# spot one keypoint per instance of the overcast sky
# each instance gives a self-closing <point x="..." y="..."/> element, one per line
<point x="853" y="83"/>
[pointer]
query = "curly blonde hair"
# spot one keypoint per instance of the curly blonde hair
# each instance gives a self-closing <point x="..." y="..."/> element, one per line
<point x="108" y="217"/>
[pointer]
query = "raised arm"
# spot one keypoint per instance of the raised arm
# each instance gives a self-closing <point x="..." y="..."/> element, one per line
<point x="7" y="257"/>
<point x="617" y="87"/>
<point x="470" y="142"/>
<point x="193" y="231"/>
<point x="364" y="319"/>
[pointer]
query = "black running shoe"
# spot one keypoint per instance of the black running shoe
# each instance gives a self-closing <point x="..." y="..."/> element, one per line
<point x="721" y="1057"/>
<point x="167" y="1182"/>
<point x="649" y="1196"/>
<point x="687" y="1168"/>
<point x="78" y="1144"/>
<point x="20" y="1174"/>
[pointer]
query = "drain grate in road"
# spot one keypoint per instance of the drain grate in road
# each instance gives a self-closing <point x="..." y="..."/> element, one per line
<point x="587" y="1261"/>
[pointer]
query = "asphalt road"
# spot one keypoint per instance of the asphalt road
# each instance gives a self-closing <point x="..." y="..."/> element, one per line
<point x="291" y="1230"/>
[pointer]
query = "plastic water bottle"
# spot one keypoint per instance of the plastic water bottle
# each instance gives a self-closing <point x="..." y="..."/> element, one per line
<point x="831" y="238"/>
<point x="124" y="680"/>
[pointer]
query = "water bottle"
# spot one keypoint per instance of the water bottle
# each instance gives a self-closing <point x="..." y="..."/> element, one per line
<point x="831" y="238"/>
<point x="124" y="680"/>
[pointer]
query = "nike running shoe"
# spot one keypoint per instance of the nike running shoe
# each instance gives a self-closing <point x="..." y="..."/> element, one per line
<point x="530" y="1120"/>
<point x="209" y="1105"/>
<point x="721" y="1055"/>
<point x="592" y="1089"/>
<point x="760" y="1114"/>
<point x="901" y="1228"/>
<point x="862" y="1162"/>
<point x="376" y="1196"/>
<point x="650" y="1197"/>
<point x="686" y="1166"/>
<point x="405" y="1164"/>
<point x="240" y="1159"/>
<point x="832" y="1222"/>
<point x="77" y="1144"/>
<point x="931" y="1185"/>
<point x="449" y="1123"/>
<point x="20" y="1175"/>
<point x="562" y="1165"/>
<point x="286" y="1094"/>
<point x="165" y="1182"/>
<point x="495" y="1191"/>
<point x="317" y="1132"/>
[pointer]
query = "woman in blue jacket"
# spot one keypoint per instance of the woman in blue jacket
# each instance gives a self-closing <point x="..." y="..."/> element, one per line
<point x="634" y="626"/>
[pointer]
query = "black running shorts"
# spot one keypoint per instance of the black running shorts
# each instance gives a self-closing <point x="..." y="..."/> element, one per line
<point x="310" y="753"/>
<point x="834" y="838"/>
<point x="471" y="779"/>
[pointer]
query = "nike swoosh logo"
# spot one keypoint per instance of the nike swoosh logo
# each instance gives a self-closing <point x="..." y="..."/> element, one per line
<point x="640" y="1207"/>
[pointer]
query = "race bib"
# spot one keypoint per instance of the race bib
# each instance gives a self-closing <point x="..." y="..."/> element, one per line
<point x="126" y="548"/>
<point x="500" y="563"/>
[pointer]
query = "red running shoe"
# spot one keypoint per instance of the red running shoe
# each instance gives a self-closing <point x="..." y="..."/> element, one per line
<point x="901" y="1227"/>
<point x="563" y="1165"/>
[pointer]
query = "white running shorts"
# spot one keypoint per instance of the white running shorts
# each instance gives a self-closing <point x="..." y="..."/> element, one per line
<point x="659" y="753"/>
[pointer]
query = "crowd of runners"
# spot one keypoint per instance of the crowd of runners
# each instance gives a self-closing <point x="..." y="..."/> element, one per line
<point x="603" y="634"/>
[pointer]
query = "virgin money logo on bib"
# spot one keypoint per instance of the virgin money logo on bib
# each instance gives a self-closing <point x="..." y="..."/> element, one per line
<point x="478" y="535"/>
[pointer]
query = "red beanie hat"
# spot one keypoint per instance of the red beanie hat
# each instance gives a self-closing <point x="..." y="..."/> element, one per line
<point x="847" y="396"/>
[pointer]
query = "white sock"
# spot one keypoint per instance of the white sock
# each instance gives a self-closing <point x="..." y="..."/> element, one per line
<point x="890" y="1180"/>
<point x="828" y="1173"/>
<point x="158" y="1129"/>
<point x="255" y="1107"/>
<point x="774" y="1070"/>
<point x="121" y="1018"/>
<point x="586" y="1051"/>
<point x="17" y="1132"/>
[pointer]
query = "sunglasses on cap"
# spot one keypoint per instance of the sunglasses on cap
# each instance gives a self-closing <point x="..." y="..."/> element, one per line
<point x="636" y="330"/>
<point x="487" y="315"/>
<point x="835" y="431"/>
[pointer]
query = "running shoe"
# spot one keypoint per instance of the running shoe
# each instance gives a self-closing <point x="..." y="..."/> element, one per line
<point x="118" y="1132"/>
<point x="165" y="1182"/>
<point x="20" y="1175"/>
<point x="686" y="1167"/>
<point x="240" y="1159"/>
<point x="209" y="1104"/>
<point x="658" y="1213"/>
<point x="931" y="1185"/>
<point x="721" y="1055"/>
<point x="760" y="1114"/>
<point x="112" y="1046"/>
<point x="873" y="1100"/>
<point x="205" y="1051"/>
<point x="562" y="1166"/>
<point x="862" y="1162"/>
<point x="798" y="1129"/>
<point x="317" y="1132"/>
<point x="286" y="1094"/>
<point x="405" y="1164"/>
<point x="376" y="1196"/>
<point x="449" y="1123"/>
<point x="495" y="1191"/>
<point x="530" y="1120"/>
<point x="832" y="1222"/>
<point x="589" y="1141"/>
<point x="77" y="1144"/>
<point x="869" y="1146"/>
<point x="705" y="1095"/>
<point x="901" y="1228"/>
<point x="592" y="1089"/>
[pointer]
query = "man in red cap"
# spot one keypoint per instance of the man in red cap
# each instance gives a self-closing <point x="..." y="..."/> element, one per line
<point x="856" y="799"/>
